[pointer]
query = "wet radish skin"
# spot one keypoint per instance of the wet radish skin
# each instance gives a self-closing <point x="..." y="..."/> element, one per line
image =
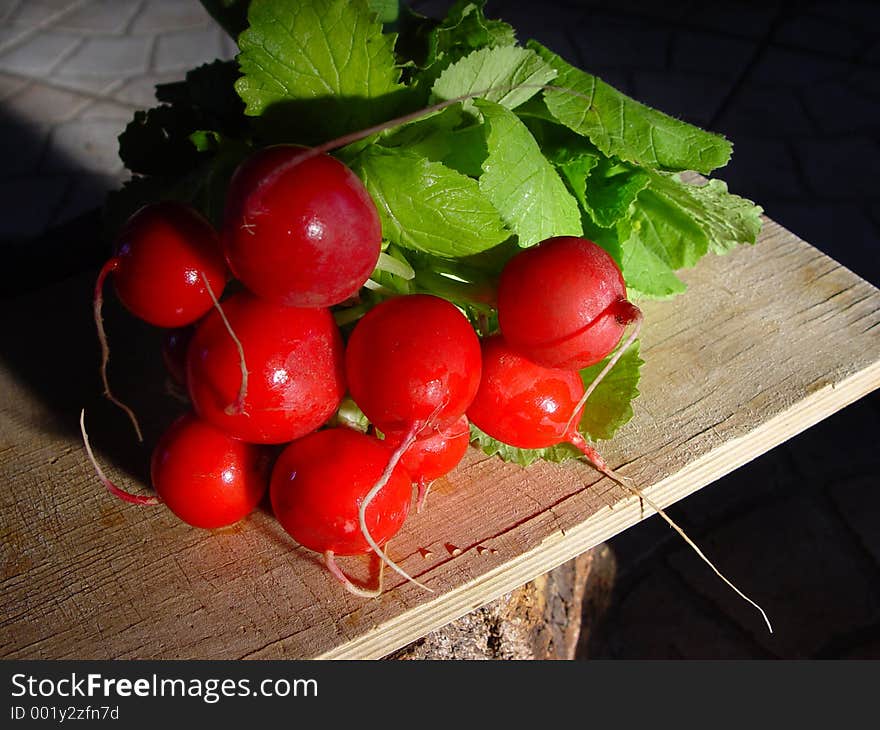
<point x="521" y="403"/>
<point x="413" y="359"/>
<point x="436" y="453"/>
<point x="562" y="303"/>
<point x="296" y="375"/>
<point x="161" y="253"/>
<point x="205" y="477"/>
<point x="319" y="482"/>
<point x="308" y="236"/>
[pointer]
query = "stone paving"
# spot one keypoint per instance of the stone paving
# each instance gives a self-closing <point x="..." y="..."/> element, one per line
<point x="795" y="86"/>
<point x="72" y="73"/>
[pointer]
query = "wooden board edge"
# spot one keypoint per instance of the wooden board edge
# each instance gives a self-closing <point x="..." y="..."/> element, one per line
<point x="558" y="548"/>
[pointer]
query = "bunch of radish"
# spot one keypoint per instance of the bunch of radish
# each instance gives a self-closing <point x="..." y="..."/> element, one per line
<point x="251" y="337"/>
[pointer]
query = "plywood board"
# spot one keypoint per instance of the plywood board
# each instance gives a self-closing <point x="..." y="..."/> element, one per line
<point x="767" y="341"/>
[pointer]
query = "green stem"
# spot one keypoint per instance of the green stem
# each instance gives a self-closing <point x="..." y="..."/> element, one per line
<point x="351" y="314"/>
<point x="394" y="266"/>
<point x="480" y="295"/>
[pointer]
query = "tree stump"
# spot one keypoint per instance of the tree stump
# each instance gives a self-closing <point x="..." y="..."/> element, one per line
<point x="547" y="618"/>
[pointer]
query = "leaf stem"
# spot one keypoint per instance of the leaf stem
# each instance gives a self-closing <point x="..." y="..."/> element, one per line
<point x="391" y="265"/>
<point x="481" y="295"/>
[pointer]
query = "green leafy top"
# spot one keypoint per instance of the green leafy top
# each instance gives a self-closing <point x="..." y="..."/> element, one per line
<point x="508" y="75"/>
<point x="538" y="148"/>
<point x="622" y="127"/>
<point x="327" y="67"/>
<point x="427" y="206"/>
<point x="521" y="183"/>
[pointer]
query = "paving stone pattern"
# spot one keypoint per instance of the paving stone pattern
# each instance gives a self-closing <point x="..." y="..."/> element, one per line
<point x="72" y="74"/>
<point x="796" y="86"/>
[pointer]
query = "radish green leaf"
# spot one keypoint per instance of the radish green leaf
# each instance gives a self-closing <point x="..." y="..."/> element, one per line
<point x="521" y="183"/>
<point x="622" y="127"/>
<point x="427" y="206"/>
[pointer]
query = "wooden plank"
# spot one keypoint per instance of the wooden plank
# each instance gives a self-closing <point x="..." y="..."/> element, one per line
<point x="766" y="342"/>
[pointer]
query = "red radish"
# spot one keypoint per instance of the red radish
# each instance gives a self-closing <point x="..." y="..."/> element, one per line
<point x="293" y="379"/>
<point x="563" y="303"/>
<point x="304" y="234"/>
<point x="320" y="482"/>
<point x="161" y="254"/>
<point x="413" y="359"/>
<point x="433" y="454"/>
<point x="531" y="406"/>
<point x="413" y="364"/>
<point x="524" y="404"/>
<point x="167" y="262"/>
<point x="205" y="477"/>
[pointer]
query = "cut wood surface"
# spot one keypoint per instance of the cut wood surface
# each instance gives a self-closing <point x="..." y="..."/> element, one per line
<point x="767" y="341"/>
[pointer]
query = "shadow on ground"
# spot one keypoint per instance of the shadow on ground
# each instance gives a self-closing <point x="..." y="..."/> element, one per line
<point x="49" y="335"/>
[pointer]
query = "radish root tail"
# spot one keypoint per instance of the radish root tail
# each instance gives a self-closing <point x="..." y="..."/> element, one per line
<point x="111" y="487"/>
<point x="408" y="440"/>
<point x="336" y="572"/>
<point x="599" y="463"/>
<point x="424" y="487"/>
<point x="635" y="318"/>
<point x="237" y="407"/>
<point x="98" y="304"/>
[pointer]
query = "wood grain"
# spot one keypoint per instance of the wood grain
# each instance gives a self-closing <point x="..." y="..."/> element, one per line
<point x="767" y="341"/>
